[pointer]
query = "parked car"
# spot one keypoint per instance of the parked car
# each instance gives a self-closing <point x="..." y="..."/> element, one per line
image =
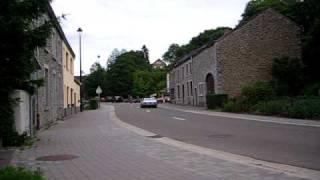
<point x="148" y="102"/>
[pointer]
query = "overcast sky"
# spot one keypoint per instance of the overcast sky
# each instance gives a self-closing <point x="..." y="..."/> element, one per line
<point x="128" y="24"/>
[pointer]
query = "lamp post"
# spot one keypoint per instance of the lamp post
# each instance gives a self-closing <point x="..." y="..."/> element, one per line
<point x="81" y="105"/>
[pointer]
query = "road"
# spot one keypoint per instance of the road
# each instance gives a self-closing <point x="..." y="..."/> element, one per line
<point x="280" y="143"/>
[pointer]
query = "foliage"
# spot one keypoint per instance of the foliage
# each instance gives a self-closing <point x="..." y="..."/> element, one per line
<point x="258" y="91"/>
<point x="305" y="108"/>
<point x="120" y="74"/>
<point x="19" y="38"/>
<point x="93" y="80"/>
<point x="93" y="103"/>
<point x="170" y="55"/>
<point x="216" y="100"/>
<point x="146" y="83"/>
<point x="312" y="90"/>
<point x="14" y="173"/>
<point x="288" y="76"/>
<point x="235" y="105"/>
<point x="175" y="51"/>
<point x="272" y="107"/>
<point x="254" y="7"/>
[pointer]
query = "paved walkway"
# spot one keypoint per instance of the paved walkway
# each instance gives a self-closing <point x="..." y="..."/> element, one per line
<point x="108" y="151"/>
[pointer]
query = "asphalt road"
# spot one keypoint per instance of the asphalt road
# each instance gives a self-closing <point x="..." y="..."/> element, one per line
<point x="280" y="143"/>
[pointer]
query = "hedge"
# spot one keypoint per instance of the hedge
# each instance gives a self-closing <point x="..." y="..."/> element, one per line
<point x="216" y="100"/>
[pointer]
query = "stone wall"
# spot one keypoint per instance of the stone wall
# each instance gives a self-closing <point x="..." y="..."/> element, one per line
<point x="202" y="64"/>
<point x="49" y="105"/>
<point x="245" y="55"/>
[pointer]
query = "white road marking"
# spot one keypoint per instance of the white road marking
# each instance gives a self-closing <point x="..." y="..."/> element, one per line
<point x="177" y="118"/>
<point x="148" y="111"/>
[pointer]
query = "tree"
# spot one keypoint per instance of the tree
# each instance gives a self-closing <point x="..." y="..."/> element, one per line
<point x="254" y="7"/>
<point x="19" y="37"/>
<point x="120" y="74"/>
<point x="96" y="78"/>
<point x="170" y="55"/>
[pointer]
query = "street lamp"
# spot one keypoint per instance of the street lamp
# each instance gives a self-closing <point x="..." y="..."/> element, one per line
<point x="81" y="105"/>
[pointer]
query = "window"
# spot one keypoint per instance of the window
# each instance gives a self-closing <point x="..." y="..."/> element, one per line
<point x="67" y="95"/>
<point x="187" y="69"/>
<point x="182" y="73"/>
<point x="188" y="89"/>
<point x="178" y="92"/>
<point x="67" y="59"/>
<point x="71" y="65"/>
<point x="191" y="88"/>
<point x="46" y="77"/>
<point x="201" y="88"/>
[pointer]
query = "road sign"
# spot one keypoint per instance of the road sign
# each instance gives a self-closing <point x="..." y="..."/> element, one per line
<point x="99" y="90"/>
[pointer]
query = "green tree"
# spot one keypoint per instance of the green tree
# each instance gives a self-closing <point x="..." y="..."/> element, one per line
<point x="120" y="74"/>
<point x="170" y="55"/>
<point x="254" y="7"/>
<point x="19" y="37"/>
<point x="96" y="78"/>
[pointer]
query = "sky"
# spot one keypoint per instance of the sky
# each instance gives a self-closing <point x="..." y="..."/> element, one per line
<point x="129" y="24"/>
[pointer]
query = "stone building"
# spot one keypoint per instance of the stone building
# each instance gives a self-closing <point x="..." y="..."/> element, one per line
<point x="240" y="57"/>
<point x="49" y="97"/>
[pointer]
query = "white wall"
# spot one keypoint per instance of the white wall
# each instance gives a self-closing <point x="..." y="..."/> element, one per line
<point x="22" y="111"/>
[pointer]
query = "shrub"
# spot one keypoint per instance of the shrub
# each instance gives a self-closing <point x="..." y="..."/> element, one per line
<point x="305" y="108"/>
<point x="259" y="91"/>
<point x="93" y="104"/>
<point x="288" y="75"/>
<point x="216" y="100"/>
<point x="12" y="173"/>
<point x="236" y="105"/>
<point x="273" y="107"/>
<point x="14" y="139"/>
<point x="312" y="90"/>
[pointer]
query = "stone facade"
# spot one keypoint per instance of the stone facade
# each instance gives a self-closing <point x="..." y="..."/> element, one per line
<point x="245" y="55"/>
<point x="241" y="56"/>
<point x="47" y="103"/>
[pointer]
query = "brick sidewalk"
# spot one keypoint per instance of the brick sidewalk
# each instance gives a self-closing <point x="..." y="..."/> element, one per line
<point x="108" y="151"/>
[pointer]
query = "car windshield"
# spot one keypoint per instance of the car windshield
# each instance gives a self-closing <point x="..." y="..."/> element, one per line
<point x="149" y="99"/>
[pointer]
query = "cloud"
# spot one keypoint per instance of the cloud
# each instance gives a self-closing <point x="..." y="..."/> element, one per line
<point x="128" y="24"/>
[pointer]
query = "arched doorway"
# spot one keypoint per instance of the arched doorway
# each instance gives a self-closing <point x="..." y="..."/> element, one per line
<point x="210" y="83"/>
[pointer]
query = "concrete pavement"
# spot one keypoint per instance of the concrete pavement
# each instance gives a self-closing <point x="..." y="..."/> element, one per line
<point x="106" y="149"/>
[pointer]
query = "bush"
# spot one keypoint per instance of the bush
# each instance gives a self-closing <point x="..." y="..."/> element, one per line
<point x="273" y="107"/>
<point x="93" y="104"/>
<point x="288" y="76"/>
<point x="216" y="100"/>
<point x="14" y="139"/>
<point x="312" y="90"/>
<point x="13" y="173"/>
<point x="259" y="91"/>
<point x="305" y="108"/>
<point x="236" y="105"/>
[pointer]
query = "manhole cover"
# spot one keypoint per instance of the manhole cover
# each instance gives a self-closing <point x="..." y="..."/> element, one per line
<point x="220" y="135"/>
<point x="60" y="157"/>
<point x="155" y="136"/>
